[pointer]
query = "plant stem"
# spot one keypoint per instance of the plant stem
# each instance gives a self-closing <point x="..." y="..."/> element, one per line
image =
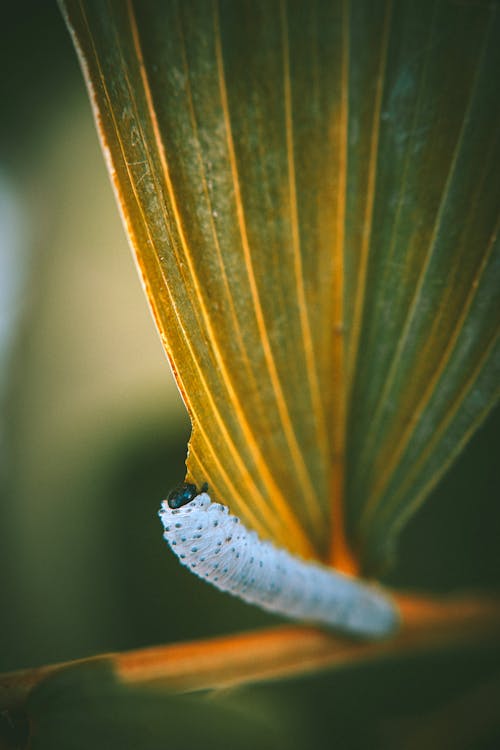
<point x="428" y="624"/>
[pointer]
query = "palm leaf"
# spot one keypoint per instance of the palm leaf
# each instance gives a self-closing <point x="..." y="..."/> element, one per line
<point x="311" y="193"/>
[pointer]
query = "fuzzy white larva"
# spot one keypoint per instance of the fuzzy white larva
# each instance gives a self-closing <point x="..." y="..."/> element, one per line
<point x="216" y="546"/>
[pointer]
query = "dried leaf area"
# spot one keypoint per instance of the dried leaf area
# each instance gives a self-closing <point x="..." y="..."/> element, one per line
<point x="311" y="191"/>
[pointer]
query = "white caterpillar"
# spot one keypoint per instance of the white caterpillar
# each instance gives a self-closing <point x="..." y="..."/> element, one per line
<point x="216" y="546"/>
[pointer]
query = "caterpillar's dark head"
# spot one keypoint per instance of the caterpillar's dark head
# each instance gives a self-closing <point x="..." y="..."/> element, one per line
<point x="183" y="494"/>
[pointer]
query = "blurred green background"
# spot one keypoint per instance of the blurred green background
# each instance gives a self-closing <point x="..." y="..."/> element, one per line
<point x="93" y="435"/>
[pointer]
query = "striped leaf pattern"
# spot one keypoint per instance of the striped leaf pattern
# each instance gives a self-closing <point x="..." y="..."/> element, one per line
<point x="312" y="192"/>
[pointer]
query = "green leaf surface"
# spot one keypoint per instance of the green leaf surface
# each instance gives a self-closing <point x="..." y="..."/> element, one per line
<point x="311" y="191"/>
<point x="85" y="707"/>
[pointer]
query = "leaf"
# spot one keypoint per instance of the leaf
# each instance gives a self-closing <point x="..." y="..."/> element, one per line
<point x="429" y="625"/>
<point x="424" y="323"/>
<point x="85" y="706"/>
<point x="311" y="193"/>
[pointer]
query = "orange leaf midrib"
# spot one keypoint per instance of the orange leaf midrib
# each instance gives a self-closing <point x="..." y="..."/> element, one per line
<point x="428" y="624"/>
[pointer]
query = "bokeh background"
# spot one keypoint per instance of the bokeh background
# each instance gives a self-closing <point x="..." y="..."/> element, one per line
<point x="93" y="435"/>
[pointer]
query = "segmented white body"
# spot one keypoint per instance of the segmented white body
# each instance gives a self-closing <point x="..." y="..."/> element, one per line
<point x="216" y="546"/>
